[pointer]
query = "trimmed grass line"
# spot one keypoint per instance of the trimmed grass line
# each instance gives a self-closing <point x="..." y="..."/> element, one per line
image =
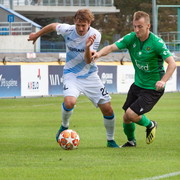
<point x="162" y="176"/>
<point x="41" y="105"/>
<point x="29" y="150"/>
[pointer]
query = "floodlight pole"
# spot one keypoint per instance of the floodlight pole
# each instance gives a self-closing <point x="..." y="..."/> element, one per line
<point x="154" y="14"/>
<point x="11" y="4"/>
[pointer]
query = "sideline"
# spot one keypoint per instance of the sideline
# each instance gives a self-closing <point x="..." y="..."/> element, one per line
<point x="162" y="176"/>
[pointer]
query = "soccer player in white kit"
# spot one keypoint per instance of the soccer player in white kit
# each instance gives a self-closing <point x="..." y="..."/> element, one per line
<point x="80" y="71"/>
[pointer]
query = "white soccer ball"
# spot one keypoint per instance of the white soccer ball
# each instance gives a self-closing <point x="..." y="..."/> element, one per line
<point x="69" y="139"/>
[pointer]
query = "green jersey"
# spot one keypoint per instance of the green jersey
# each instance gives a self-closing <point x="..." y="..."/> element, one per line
<point x="147" y="58"/>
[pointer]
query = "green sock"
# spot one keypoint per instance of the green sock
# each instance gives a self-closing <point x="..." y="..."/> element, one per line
<point x="144" y="121"/>
<point x="129" y="131"/>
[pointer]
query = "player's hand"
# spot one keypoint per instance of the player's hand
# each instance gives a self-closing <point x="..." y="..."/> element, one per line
<point x="92" y="53"/>
<point x="160" y="85"/>
<point x="33" y="37"/>
<point x="95" y="55"/>
<point x="90" y="40"/>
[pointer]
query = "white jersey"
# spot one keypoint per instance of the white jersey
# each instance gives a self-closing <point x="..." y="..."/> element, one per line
<point x="75" y="50"/>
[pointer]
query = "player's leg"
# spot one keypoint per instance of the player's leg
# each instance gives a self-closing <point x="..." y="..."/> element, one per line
<point x="148" y="99"/>
<point x="144" y="103"/>
<point x="128" y="125"/>
<point x="96" y="92"/>
<point x="71" y="93"/>
<point x="67" y="110"/>
<point x="109" y="123"/>
<point x="142" y="120"/>
<point x="129" y="131"/>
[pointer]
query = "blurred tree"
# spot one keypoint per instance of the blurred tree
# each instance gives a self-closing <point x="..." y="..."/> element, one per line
<point x="115" y="25"/>
<point x="50" y="36"/>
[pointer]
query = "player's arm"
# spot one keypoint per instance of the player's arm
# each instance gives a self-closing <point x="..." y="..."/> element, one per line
<point x="169" y="71"/>
<point x="105" y="51"/>
<point x="47" y="29"/>
<point x="88" y="52"/>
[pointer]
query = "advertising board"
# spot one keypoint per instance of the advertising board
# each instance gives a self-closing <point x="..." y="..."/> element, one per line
<point x="34" y="80"/>
<point x="178" y="78"/>
<point x="108" y="76"/>
<point x="10" y="82"/>
<point x="55" y="79"/>
<point x="125" y="77"/>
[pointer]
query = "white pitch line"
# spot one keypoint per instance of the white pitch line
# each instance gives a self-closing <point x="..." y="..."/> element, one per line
<point x="162" y="176"/>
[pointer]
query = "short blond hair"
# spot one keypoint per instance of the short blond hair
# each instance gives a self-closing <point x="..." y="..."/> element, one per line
<point x="141" y="14"/>
<point x="84" y="15"/>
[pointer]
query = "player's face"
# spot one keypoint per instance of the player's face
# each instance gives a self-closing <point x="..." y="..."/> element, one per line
<point x="141" y="28"/>
<point x="82" y="27"/>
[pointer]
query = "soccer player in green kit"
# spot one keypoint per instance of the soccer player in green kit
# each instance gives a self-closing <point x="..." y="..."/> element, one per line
<point x="148" y="53"/>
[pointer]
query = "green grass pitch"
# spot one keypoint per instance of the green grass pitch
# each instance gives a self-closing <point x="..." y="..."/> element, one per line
<point x="28" y="150"/>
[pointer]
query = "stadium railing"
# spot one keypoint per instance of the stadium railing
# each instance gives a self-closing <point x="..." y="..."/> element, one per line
<point x="60" y="2"/>
<point x="15" y="28"/>
<point x="172" y="40"/>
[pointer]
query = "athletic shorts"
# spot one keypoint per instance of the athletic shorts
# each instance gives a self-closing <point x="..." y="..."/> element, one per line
<point x="141" y="100"/>
<point x="92" y="87"/>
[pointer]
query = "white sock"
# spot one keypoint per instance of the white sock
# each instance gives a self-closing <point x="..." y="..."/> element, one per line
<point x="66" y="117"/>
<point x="109" y="125"/>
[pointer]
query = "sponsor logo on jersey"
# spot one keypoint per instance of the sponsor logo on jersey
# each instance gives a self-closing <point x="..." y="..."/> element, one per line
<point x="142" y="67"/>
<point x="75" y="49"/>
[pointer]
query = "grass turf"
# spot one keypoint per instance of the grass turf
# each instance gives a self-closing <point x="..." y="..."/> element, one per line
<point x="28" y="150"/>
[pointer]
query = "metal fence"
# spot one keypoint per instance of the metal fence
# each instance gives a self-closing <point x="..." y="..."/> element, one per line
<point x="15" y="28"/>
<point x="58" y="2"/>
<point x="172" y="40"/>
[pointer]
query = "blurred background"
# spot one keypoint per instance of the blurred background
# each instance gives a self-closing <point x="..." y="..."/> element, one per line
<point x="113" y="18"/>
<point x="37" y="70"/>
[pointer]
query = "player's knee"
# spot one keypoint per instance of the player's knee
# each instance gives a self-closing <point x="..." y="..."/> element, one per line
<point x="69" y="102"/>
<point x="126" y="118"/>
<point x="69" y="105"/>
<point x="130" y="116"/>
<point x="108" y="112"/>
<point x="106" y="109"/>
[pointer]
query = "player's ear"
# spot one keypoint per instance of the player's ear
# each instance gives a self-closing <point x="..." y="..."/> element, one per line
<point x="89" y="24"/>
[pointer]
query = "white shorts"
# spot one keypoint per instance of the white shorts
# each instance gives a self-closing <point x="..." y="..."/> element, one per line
<point x="92" y="87"/>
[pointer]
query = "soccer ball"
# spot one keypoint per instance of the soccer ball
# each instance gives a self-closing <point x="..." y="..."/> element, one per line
<point x="69" y="139"/>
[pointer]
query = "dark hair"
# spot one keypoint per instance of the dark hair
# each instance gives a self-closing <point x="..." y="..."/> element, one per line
<point x="141" y="14"/>
<point x="84" y="15"/>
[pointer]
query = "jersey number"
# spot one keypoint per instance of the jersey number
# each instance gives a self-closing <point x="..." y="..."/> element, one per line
<point x="104" y="91"/>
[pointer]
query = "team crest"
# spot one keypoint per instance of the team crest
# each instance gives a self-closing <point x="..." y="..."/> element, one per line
<point x="148" y="48"/>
